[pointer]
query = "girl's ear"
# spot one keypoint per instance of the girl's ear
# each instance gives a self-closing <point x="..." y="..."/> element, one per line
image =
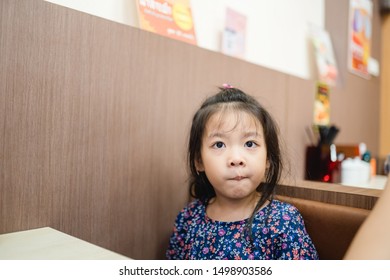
<point x="199" y="165"/>
<point x="267" y="165"/>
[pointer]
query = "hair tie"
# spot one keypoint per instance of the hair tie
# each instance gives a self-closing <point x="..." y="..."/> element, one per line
<point x="227" y="86"/>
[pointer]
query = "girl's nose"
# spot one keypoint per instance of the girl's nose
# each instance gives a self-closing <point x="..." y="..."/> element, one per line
<point x="237" y="162"/>
<point x="236" y="159"/>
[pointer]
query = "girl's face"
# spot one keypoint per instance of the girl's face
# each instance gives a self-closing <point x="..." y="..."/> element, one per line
<point x="233" y="154"/>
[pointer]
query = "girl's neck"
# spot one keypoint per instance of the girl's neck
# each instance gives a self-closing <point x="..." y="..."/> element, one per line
<point x="230" y="210"/>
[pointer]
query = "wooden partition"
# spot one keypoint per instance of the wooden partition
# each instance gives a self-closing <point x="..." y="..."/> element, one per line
<point x="357" y="197"/>
<point x="94" y="118"/>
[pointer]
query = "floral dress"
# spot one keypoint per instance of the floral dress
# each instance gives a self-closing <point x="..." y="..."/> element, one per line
<point x="278" y="233"/>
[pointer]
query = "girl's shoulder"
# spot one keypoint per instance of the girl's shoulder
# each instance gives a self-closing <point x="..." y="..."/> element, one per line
<point x="195" y="205"/>
<point x="281" y="205"/>
<point x="283" y="209"/>
<point x="193" y="208"/>
<point x="280" y="216"/>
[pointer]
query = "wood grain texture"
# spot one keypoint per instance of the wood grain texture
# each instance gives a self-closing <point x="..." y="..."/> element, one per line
<point x="94" y="118"/>
<point x="330" y="193"/>
<point x="385" y="90"/>
<point x="354" y="98"/>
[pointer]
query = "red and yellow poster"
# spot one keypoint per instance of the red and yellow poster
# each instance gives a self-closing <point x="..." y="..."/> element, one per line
<point x="322" y="105"/>
<point x="169" y="18"/>
<point x="360" y="25"/>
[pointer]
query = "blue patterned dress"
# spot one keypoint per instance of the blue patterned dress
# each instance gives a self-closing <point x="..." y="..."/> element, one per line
<point x="279" y="233"/>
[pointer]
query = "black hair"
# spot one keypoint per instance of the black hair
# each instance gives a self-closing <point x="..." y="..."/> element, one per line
<point x="200" y="187"/>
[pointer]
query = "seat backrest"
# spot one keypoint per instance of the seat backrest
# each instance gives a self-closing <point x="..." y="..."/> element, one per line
<point x="330" y="226"/>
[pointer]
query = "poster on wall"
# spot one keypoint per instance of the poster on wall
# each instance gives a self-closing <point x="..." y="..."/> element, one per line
<point x="324" y="56"/>
<point x="359" y="39"/>
<point x="233" y="36"/>
<point x="169" y="18"/>
<point x="322" y="105"/>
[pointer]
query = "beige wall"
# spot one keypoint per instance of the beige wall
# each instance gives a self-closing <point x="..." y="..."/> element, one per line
<point x="355" y="101"/>
<point x="385" y="89"/>
<point x="94" y="117"/>
<point x="266" y="32"/>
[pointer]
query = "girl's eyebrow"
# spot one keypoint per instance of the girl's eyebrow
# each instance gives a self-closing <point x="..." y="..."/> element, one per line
<point x="216" y="134"/>
<point x="245" y="135"/>
<point x="251" y="134"/>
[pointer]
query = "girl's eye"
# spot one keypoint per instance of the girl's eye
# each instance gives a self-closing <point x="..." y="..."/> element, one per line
<point x="250" y="144"/>
<point x="219" y="145"/>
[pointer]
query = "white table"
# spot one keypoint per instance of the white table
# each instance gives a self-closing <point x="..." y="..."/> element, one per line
<point x="50" y="244"/>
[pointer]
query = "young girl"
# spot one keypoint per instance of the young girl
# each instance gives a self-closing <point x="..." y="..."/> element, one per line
<point x="235" y="163"/>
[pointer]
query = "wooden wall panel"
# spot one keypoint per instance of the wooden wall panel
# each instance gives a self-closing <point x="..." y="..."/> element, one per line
<point x="355" y="100"/>
<point x="385" y="89"/>
<point x="300" y="94"/>
<point x="94" y="118"/>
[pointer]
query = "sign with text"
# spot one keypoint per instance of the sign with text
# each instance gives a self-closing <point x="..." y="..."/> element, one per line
<point x="233" y="38"/>
<point x="170" y="18"/>
<point x="322" y="105"/>
<point x="359" y="52"/>
<point x="324" y="56"/>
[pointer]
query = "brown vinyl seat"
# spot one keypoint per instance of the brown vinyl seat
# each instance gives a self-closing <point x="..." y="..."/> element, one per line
<point x="330" y="226"/>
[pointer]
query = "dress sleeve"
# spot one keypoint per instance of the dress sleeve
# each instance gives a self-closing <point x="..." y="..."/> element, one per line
<point x="176" y="248"/>
<point x="294" y="241"/>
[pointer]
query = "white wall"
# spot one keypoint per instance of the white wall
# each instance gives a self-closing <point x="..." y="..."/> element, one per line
<point x="122" y="11"/>
<point x="276" y="29"/>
